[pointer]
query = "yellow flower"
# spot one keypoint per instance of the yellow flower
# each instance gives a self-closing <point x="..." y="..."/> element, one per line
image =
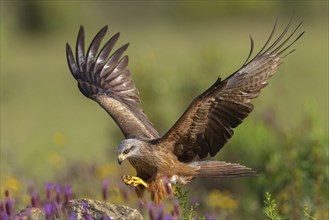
<point x="56" y="160"/>
<point x="105" y="170"/>
<point x="223" y="200"/>
<point x="59" y="139"/>
<point x="11" y="184"/>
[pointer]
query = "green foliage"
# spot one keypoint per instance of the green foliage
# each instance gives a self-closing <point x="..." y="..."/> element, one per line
<point x="270" y="207"/>
<point x="188" y="212"/>
<point x="182" y="197"/>
<point x="307" y="214"/>
<point x="296" y="172"/>
<point x="271" y="212"/>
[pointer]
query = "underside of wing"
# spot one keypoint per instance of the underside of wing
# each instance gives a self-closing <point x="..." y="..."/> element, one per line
<point x="208" y="122"/>
<point x="106" y="80"/>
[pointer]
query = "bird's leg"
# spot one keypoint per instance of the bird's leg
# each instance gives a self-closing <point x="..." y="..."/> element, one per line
<point x="133" y="181"/>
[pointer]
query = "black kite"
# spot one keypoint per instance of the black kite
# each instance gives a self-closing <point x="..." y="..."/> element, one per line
<point x="202" y="130"/>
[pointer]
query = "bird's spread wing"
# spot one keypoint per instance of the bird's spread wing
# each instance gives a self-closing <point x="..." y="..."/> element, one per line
<point x="107" y="81"/>
<point x="208" y="122"/>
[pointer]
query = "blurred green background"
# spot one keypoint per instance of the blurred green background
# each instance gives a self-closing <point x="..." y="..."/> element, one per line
<point x="51" y="132"/>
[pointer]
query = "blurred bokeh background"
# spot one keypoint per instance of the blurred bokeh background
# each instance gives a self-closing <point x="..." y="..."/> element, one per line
<point x="51" y="132"/>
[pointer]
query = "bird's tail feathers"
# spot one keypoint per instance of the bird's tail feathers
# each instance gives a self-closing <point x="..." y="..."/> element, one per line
<point x="222" y="169"/>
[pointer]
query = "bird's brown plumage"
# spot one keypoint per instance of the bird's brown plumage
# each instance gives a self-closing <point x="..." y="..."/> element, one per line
<point x="108" y="82"/>
<point x="202" y="130"/>
<point x="209" y="121"/>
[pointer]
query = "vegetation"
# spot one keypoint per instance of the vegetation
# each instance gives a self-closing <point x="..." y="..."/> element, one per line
<point x="51" y="134"/>
<point x="270" y="207"/>
<point x="188" y="213"/>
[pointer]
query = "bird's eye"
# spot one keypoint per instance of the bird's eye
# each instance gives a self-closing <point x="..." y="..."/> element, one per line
<point x="125" y="151"/>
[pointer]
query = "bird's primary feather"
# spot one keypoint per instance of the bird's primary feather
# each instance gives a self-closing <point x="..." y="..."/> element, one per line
<point x="107" y="81"/>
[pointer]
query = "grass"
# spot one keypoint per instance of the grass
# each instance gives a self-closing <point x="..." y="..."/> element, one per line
<point x="51" y="133"/>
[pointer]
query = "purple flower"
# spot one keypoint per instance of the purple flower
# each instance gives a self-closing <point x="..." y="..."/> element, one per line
<point x="3" y="214"/>
<point x="28" y="213"/>
<point x="160" y="212"/>
<point x="67" y="193"/>
<point x="106" y="217"/>
<point x="2" y="205"/>
<point x="168" y="217"/>
<point x="105" y="188"/>
<point x="175" y="211"/>
<point x="209" y="217"/>
<point x="48" y="190"/>
<point x="35" y="199"/>
<point x="86" y="215"/>
<point x="48" y="210"/>
<point x="85" y="205"/>
<point x="9" y="205"/>
<point x="168" y="186"/>
<point x="58" y="194"/>
<point x="151" y="211"/>
<point x="73" y="216"/>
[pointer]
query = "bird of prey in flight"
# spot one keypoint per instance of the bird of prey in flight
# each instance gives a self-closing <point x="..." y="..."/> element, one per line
<point x="203" y="129"/>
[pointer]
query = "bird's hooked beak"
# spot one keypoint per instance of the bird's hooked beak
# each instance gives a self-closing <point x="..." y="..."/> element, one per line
<point x="121" y="158"/>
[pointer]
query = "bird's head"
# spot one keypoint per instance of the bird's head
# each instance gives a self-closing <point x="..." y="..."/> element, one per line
<point x="129" y="148"/>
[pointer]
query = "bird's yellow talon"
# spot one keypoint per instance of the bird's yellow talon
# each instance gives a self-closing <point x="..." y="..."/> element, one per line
<point x="133" y="181"/>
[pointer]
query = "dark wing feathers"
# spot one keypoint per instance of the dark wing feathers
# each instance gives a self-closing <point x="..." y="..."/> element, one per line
<point x="106" y="50"/>
<point x="80" y="50"/>
<point x="208" y="122"/>
<point x="93" y="49"/>
<point x="108" y="82"/>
